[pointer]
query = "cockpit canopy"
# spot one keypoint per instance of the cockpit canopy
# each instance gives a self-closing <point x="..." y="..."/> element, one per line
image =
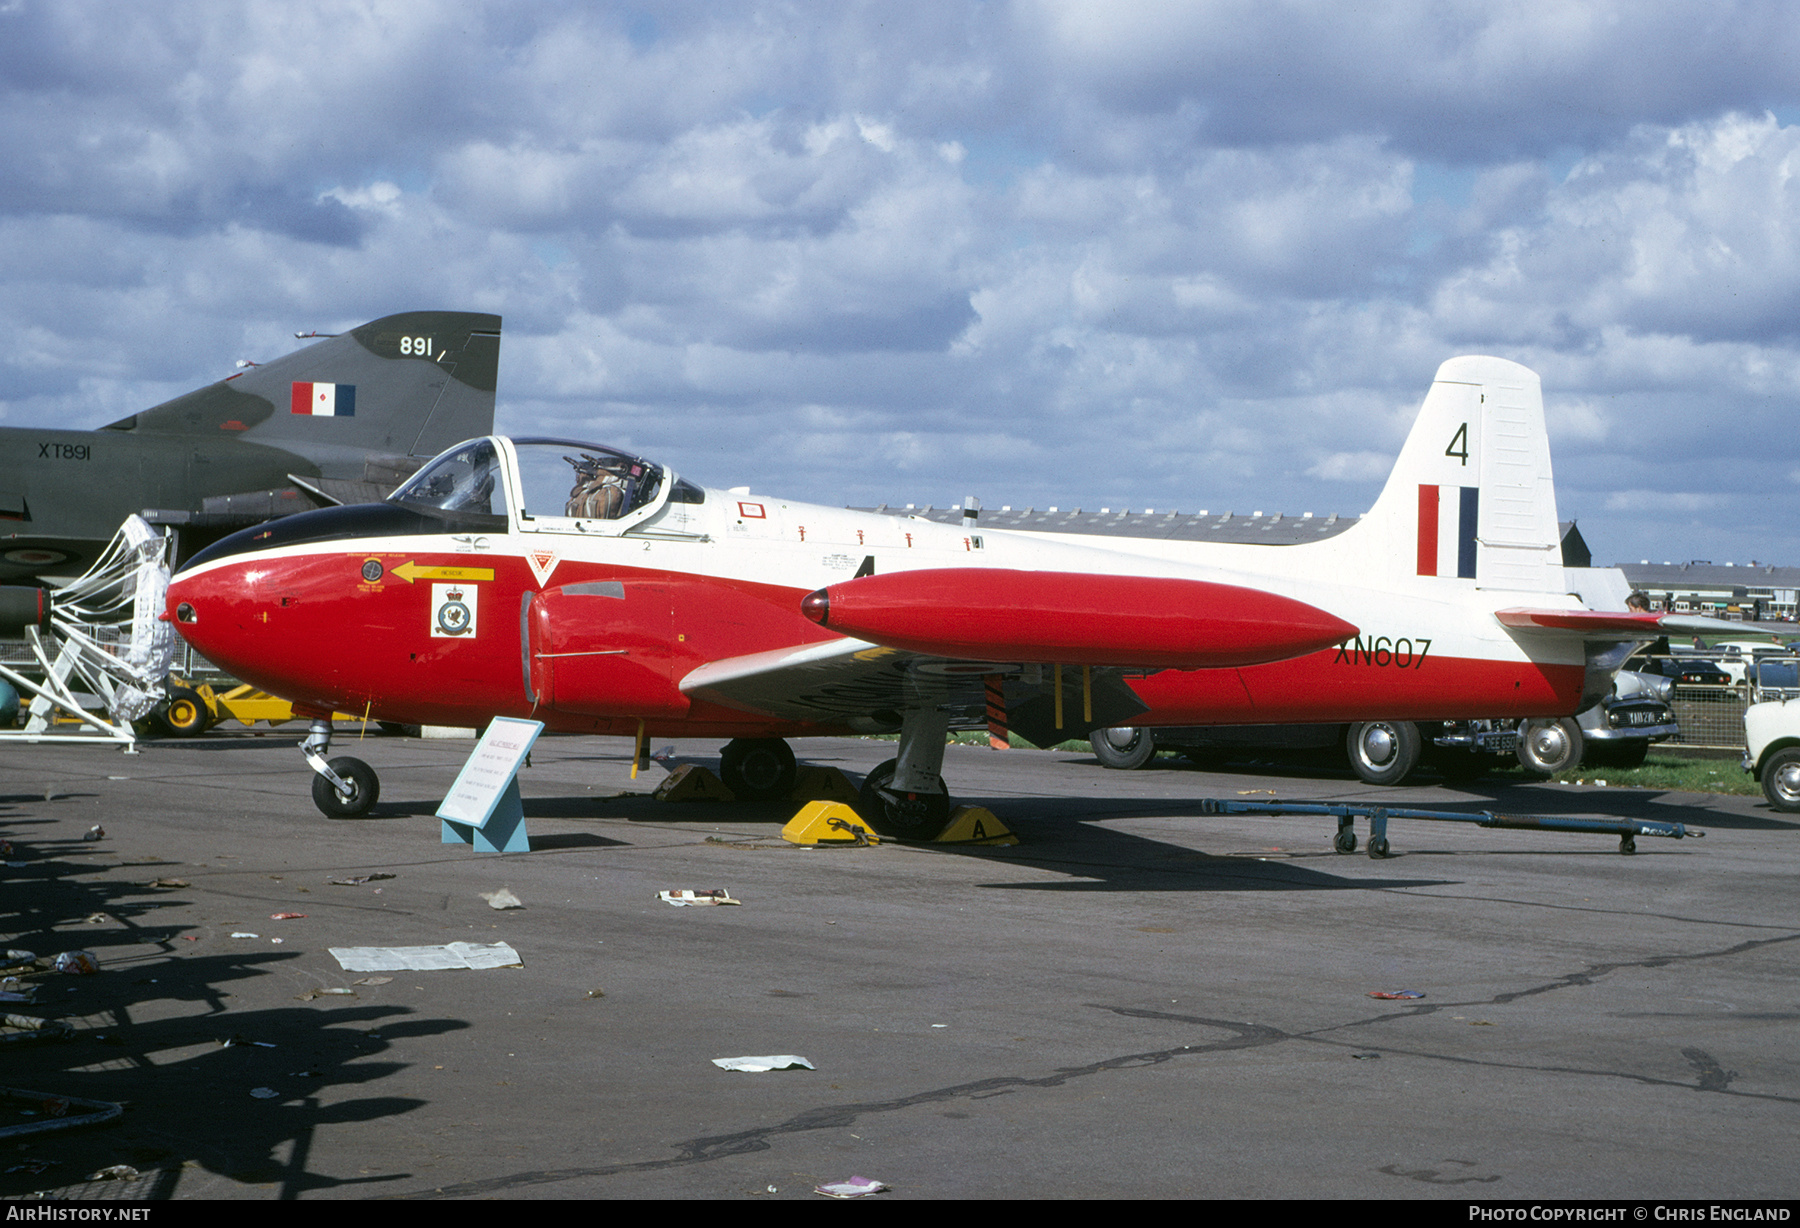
<point x="491" y="485"/>
<point x="543" y="484"/>
<point x="465" y="479"/>
<point x="583" y="481"/>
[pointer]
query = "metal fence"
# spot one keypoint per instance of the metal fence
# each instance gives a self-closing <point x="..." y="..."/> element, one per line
<point x="1710" y="716"/>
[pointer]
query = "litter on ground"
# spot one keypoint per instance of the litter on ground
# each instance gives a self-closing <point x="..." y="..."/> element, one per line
<point x="682" y="899"/>
<point x="759" y="1065"/>
<point x="427" y="959"/>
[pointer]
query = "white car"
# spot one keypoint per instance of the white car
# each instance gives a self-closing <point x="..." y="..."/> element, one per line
<point x="1772" y="731"/>
<point x="1735" y="656"/>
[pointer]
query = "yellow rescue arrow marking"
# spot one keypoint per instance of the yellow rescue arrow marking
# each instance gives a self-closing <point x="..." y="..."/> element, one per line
<point x="410" y="571"/>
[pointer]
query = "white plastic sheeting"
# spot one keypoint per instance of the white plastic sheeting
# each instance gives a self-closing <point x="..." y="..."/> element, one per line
<point x="106" y="641"/>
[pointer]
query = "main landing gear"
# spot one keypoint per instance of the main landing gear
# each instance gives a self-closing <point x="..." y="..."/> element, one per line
<point x="906" y="797"/>
<point x="344" y="788"/>
<point x="758" y="769"/>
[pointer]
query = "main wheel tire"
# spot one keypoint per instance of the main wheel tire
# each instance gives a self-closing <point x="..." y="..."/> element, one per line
<point x="184" y="714"/>
<point x="365" y="790"/>
<point x="1383" y="752"/>
<point x="1123" y="747"/>
<point x="912" y="816"/>
<point x="1547" y="747"/>
<point x="758" y="769"/>
<point x="1781" y="780"/>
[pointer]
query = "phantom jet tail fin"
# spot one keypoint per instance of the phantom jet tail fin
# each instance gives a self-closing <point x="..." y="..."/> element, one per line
<point x="1471" y="497"/>
<point x="405" y="385"/>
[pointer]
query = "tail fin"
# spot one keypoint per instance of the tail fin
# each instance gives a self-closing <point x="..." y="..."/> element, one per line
<point x="1471" y="496"/>
<point x="410" y="384"/>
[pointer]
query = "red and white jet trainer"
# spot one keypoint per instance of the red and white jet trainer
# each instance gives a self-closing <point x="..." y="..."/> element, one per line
<point x="600" y="593"/>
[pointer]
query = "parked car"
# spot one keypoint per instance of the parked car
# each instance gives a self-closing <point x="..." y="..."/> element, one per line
<point x="1772" y="731"/>
<point x="1736" y="656"/>
<point x="1620" y="729"/>
<point x="1681" y="670"/>
<point x="1617" y="731"/>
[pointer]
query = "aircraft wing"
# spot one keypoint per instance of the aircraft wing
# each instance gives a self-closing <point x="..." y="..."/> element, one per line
<point x="825" y="681"/>
<point x="851" y="681"/>
<point x="1602" y="624"/>
<point x="1061" y="645"/>
<point x="338" y="492"/>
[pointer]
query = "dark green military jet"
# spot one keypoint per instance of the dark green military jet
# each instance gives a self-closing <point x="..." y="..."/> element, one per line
<point x="342" y="421"/>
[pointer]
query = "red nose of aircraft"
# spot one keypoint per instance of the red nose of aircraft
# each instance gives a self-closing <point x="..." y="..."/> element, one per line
<point x="246" y="618"/>
<point x="1075" y="619"/>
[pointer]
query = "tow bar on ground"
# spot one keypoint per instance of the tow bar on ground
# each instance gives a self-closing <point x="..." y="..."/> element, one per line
<point x="1627" y="830"/>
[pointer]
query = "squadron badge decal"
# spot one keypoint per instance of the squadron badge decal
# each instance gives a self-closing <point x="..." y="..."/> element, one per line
<point x="453" y="610"/>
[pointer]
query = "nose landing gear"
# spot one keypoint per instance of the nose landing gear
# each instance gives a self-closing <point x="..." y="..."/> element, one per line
<point x="344" y="788"/>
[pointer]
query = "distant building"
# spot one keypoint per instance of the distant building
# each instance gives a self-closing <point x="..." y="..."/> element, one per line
<point x="1754" y="591"/>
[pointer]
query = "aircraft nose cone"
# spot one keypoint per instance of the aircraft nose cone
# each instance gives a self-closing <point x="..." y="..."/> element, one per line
<point x="213" y="612"/>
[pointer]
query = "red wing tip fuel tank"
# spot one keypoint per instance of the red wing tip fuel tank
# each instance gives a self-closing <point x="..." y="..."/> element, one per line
<point x="598" y="592"/>
<point x="1133" y="621"/>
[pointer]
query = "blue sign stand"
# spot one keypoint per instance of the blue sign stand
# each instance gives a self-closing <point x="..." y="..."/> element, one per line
<point x="483" y="808"/>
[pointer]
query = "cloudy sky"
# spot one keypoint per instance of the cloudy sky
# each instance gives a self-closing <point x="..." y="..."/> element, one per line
<point x="1149" y="255"/>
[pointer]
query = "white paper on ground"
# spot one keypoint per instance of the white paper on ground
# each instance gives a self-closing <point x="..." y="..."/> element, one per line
<point x="427" y="959"/>
<point x="757" y="1065"/>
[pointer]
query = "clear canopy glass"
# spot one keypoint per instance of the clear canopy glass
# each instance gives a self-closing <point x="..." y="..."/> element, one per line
<point x="464" y="479"/>
<point x="583" y="481"/>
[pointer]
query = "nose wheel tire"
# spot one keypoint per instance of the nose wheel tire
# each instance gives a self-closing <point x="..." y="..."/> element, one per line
<point x="903" y="816"/>
<point x="1124" y="748"/>
<point x="1547" y="747"/>
<point x="365" y="790"/>
<point x="758" y="769"/>
<point x="1383" y="752"/>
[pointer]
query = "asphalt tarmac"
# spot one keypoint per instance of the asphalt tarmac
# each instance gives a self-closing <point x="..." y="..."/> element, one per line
<point x="1138" y="1001"/>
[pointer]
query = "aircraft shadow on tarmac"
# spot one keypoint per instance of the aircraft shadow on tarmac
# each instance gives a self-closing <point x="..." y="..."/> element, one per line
<point x="575" y="808"/>
<point x="1496" y="791"/>
<point x="1059" y="833"/>
<point x="188" y="1092"/>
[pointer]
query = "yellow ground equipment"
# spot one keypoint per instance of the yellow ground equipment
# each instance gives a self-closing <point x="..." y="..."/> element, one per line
<point x="195" y="707"/>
